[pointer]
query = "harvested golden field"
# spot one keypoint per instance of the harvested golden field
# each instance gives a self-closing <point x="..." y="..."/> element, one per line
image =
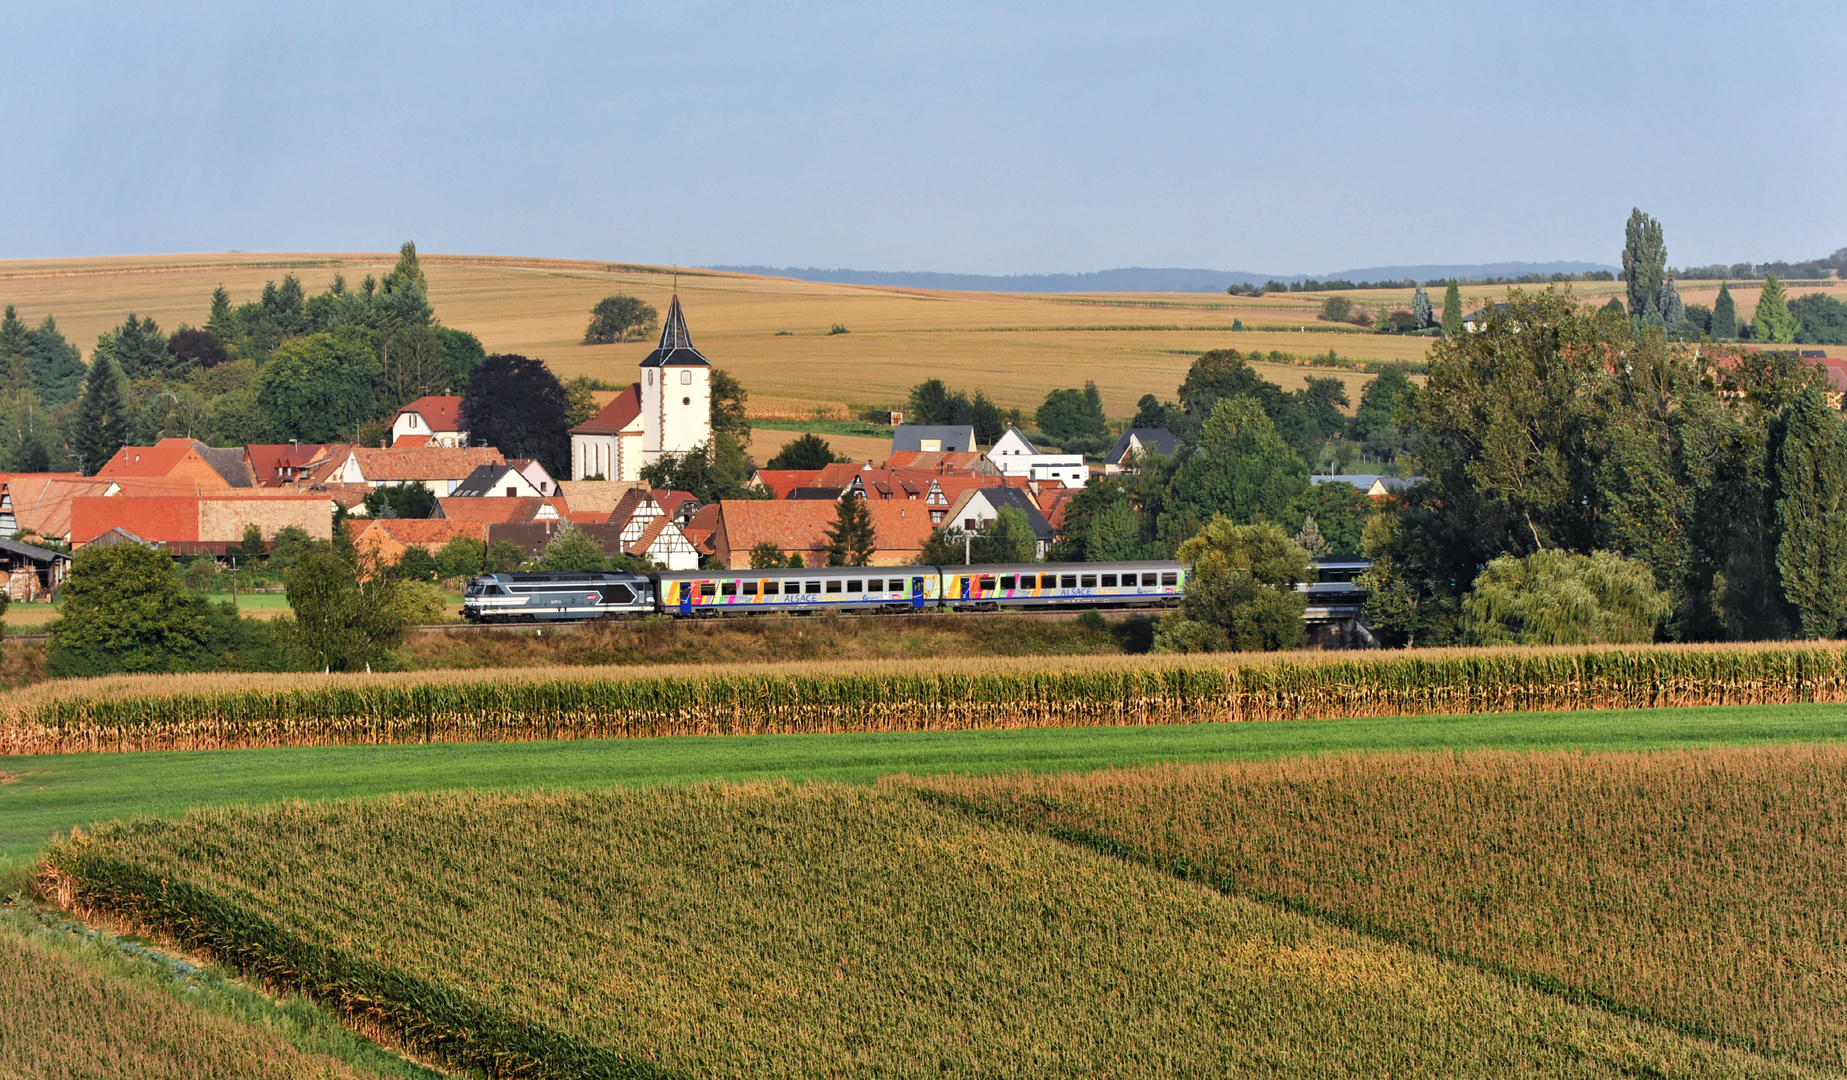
<point x="1703" y="889"/>
<point x="65" y="1016"/>
<point x="771" y="332"/>
<point x="773" y="930"/>
<point x="206" y="712"/>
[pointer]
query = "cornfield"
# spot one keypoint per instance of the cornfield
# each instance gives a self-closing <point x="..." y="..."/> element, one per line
<point x="775" y="930"/>
<point x="208" y="712"/>
<point x="1706" y="890"/>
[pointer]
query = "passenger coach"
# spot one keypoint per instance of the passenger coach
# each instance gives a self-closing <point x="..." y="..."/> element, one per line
<point x="852" y="588"/>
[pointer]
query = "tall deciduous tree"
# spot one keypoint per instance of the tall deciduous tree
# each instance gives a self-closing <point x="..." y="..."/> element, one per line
<point x="101" y="424"/>
<point x="1452" y="310"/>
<point x="850" y="542"/>
<point x="1811" y="513"/>
<point x="620" y="318"/>
<point x="1241" y="468"/>
<point x="516" y="404"/>
<point x="1772" y="321"/>
<point x="810" y="451"/>
<point x="1562" y="598"/>
<point x="1724" y="314"/>
<point x="1644" y="263"/>
<point x="1420" y="308"/>
<point x="124" y="608"/>
<point x="318" y="388"/>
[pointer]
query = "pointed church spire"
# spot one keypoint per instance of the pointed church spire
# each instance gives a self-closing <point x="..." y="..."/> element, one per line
<point x="676" y="347"/>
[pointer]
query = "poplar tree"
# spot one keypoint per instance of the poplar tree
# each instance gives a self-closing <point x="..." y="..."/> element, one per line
<point x="102" y="416"/>
<point x="1811" y="474"/>
<point x="1452" y="310"/>
<point x="1420" y="307"/>
<point x="850" y="542"/>
<point x="1644" y="263"/>
<point x="1673" y="311"/>
<point x="1772" y="321"/>
<point x="1724" y="315"/>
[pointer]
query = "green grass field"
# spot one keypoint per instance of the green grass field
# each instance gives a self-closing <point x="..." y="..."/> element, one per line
<point x="41" y="796"/>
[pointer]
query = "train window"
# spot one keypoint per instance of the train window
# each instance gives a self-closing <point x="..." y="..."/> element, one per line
<point x="987" y="583"/>
<point x="771" y="588"/>
<point x="834" y="585"/>
<point x="855" y="586"/>
<point x="750" y="588"/>
<point x="897" y="585"/>
<point x="618" y="594"/>
<point x="814" y="586"/>
<point x="1090" y="581"/>
<point x="1170" y="578"/>
<point x="1109" y="581"/>
<point x="1148" y="579"/>
<point x="729" y="588"/>
<point x="1048" y="581"/>
<point x="1007" y="581"/>
<point x="1070" y="582"/>
<point x="707" y="588"/>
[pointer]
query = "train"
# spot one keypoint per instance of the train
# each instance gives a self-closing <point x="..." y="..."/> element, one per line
<point x="560" y="597"/>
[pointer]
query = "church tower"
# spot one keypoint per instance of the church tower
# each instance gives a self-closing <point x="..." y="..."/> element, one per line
<point x="676" y="392"/>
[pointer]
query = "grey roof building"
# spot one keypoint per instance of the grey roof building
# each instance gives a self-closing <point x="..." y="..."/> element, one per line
<point x="948" y="438"/>
<point x="676" y="345"/>
<point x="1146" y="440"/>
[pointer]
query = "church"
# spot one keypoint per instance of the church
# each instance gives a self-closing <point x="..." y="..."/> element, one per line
<point x="668" y="412"/>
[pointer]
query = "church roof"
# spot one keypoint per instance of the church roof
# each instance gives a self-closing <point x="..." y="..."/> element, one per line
<point x="676" y="347"/>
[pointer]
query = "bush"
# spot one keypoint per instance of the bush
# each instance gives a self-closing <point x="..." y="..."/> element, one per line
<point x="461" y="557"/>
<point x="1243" y="583"/>
<point x="1336" y="309"/>
<point x="1175" y="633"/>
<point x="125" y="608"/>
<point x="1555" y="597"/>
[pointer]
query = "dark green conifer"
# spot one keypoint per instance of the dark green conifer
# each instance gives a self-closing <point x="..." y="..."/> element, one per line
<point x="1811" y="511"/>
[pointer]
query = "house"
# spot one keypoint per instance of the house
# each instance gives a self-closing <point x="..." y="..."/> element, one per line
<point x="498" y="481"/>
<point x="1373" y="484"/>
<point x="1477" y="320"/>
<point x="536" y="475"/>
<point x="800" y="526"/>
<point x="501" y="509"/>
<point x="971" y="463"/>
<point x="181" y="459"/>
<point x="1138" y="441"/>
<point x="198" y="524"/>
<point x="276" y="464"/>
<point x="646" y="530"/>
<point x="978" y="506"/>
<point x="1836" y="372"/>
<point x="32" y="573"/>
<point x="39" y="504"/>
<point x="667" y="412"/>
<point x="933" y="438"/>
<point x="439" y="468"/>
<point x="1015" y="455"/>
<point x="435" y="420"/>
<point x="390" y="538"/>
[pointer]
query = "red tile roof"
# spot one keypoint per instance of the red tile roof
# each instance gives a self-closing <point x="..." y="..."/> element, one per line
<point x="269" y="460"/>
<point x="782" y="481"/>
<point x="440" y="412"/>
<point x="409" y="442"/>
<point x="428" y="533"/>
<point x="424" y="463"/>
<point x="614" y="417"/>
<point x="498" y="509"/>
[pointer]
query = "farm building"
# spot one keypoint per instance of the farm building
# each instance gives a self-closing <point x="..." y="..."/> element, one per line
<point x="434" y="420"/>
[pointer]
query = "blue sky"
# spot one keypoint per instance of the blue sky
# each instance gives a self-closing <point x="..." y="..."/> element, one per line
<point x="977" y="138"/>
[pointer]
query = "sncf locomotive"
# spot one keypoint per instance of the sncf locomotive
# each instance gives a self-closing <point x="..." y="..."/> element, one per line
<point x="696" y="593"/>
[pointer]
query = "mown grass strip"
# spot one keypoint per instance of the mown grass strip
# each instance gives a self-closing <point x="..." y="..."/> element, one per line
<point x="203" y="713"/>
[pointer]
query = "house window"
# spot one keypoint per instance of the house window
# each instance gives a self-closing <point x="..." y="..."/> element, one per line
<point x="686" y="378"/>
<point x="410" y="420"/>
<point x="968" y="523"/>
<point x="650" y="378"/>
<point x="686" y="401"/>
<point x="512" y="491"/>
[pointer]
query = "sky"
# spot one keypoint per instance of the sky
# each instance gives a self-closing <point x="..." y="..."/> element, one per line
<point x="989" y="138"/>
